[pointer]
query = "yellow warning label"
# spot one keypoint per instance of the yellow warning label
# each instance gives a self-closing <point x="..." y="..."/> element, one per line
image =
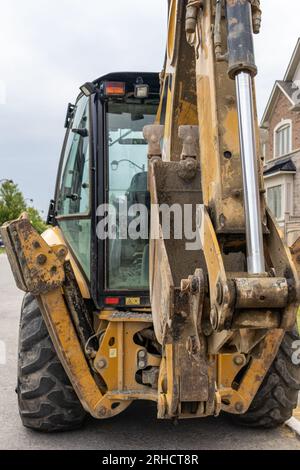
<point x="133" y="301"/>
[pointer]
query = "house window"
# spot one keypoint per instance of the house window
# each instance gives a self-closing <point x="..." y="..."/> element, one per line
<point x="274" y="197"/>
<point x="283" y="139"/>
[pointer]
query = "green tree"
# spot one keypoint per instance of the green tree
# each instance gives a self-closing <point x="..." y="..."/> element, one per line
<point x="12" y="202"/>
<point x="36" y="219"/>
<point x="12" y="205"/>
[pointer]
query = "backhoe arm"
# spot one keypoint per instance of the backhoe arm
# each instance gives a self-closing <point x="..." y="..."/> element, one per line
<point x="241" y="287"/>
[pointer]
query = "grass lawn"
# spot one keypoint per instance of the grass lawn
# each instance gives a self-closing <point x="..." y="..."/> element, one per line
<point x="2" y="251"/>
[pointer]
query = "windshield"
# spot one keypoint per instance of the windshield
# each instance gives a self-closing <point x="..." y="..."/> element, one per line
<point x="127" y="266"/>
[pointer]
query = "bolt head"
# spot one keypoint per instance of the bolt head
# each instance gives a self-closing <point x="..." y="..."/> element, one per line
<point x="41" y="260"/>
<point x="142" y="364"/>
<point x="142" y="354"/>
<point x="239" y="407"/>
<point x="101" y="364"/>
<point x="239" y="360"/>
<point x="53" y="270"/>
<point x="102" y="412"/>
<point x="62" y="253"/>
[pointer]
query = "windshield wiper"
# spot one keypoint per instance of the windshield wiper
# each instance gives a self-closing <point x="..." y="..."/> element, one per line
<point x="121" y="137"/>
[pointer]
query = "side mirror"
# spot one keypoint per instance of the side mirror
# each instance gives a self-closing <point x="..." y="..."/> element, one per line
<point x="70" y="114"/>
<point x="81" y="132"/>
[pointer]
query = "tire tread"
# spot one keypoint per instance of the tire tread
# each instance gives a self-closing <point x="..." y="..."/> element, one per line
<point x="47" y="401"/>
<point x="278" y="394"/>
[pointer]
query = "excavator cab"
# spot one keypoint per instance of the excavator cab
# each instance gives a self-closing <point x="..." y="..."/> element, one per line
<point x="103" y="171"/>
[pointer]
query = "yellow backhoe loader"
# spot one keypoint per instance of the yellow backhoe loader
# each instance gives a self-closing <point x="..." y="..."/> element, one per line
<point x="163" y="276"/>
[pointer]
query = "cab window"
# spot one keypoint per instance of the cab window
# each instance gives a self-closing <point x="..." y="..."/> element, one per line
<point x="74" y="192"/>
<point x="73" y="198"/>
<point x="128" y="259"/>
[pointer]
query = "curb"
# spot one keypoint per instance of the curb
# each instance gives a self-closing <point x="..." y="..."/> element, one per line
<point x="294" y="423"/>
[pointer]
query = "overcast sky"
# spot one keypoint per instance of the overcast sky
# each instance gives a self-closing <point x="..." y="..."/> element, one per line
<point x="48" y="48"/>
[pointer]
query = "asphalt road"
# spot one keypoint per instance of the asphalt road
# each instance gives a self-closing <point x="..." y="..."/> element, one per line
<point x="136" y="428"/>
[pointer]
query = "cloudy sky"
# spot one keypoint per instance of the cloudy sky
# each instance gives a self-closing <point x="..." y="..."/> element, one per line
<point x="48" y="48"/>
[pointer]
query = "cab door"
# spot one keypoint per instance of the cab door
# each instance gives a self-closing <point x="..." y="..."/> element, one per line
<point x="73" y="198"/>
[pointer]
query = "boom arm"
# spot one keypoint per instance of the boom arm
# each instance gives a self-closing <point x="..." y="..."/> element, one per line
<point x="250" y="283"/>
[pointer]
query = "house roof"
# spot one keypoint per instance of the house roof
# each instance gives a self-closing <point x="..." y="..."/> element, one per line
<point x="285" y="86"/>
<point x="286" y="166"/>
<point x="288" y="88"/>
<point x="294" y="62"/>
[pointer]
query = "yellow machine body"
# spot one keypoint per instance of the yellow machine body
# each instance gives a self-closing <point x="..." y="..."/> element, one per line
<point x="217" y="329"/>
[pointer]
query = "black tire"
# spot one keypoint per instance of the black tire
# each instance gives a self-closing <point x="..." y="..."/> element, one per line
<point x="278" y="394"/>
<point x="47" y="401"/>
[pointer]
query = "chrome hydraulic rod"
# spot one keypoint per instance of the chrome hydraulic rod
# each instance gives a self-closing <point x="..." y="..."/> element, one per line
<point x="255" y="249"/>
<point x="241" y="68"/>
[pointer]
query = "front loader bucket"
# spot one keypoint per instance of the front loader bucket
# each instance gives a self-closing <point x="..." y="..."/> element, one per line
<point x="42" y="270"/>
<point x="37" y="268"/>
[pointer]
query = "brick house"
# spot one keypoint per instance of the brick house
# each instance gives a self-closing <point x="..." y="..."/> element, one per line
<point x="280" y="136"/>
